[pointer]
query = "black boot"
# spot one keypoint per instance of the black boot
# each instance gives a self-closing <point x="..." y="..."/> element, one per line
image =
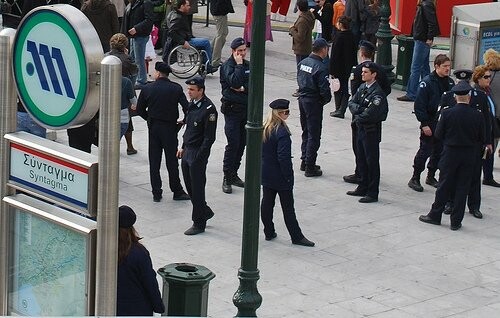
<point x="313" y="171"/>
<point x="431" y="180"/>
<point x="340" y="113"/>
<point x="226" y="185"/>
<point x="414" y="182"/>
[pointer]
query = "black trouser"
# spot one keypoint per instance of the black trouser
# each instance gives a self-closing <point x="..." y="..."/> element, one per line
<point x="195" y="178"/>
<point x="368" y="159"/>
<point x="234" y="129"/>
<point x="311" y="120"/>
<point x="267" y="207"/>
<point x="82" y="137"/>
<point x="474" y="194"/>
<point x="430" y="148"/>
<point x="163" y="138"/>
<point x="456" y="170"/>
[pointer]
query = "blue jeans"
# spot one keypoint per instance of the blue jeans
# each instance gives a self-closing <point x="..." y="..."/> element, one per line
<point x="27" y="124"/>
<point x="419" y="67"/>
<point x="202" y="44"/>
<point x="138" y="54"/>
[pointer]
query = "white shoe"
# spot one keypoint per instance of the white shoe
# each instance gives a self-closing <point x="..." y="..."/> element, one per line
<point x="282" y="18"/>
<point x="273" y="16"/>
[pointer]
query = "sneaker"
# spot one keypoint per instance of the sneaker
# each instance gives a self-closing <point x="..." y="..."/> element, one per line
<point x="431" y="181"/>
<point x="415" y="185"/>
<point x="404" y="98"/>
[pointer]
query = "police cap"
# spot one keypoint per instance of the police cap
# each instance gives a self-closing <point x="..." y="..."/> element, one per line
<point x="126" y="216"/>
<point x="319" y="44"/>
<point x="280" y="104"/>
<point x="163" y="68"/>
<point x="197" y="80"/>
<point x="462" y="88"/>
<point x="367" y="45"/>
<point x="237" y="42"/>
<point x="463" y="74"/>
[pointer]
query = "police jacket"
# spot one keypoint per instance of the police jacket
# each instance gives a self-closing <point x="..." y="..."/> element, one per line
<point x="277" y="169"/>
<point x="425" y="24"/>
<point x="221" y="7"/>
<point x="312" y="78"/>
<point x="369" y="105"/>
<point x="461" y="126"/>
<point x="160" y="101"/>
<point x="201" y="126"/>
<point x="233" y="75"/>
<point x="137" y="288"/>
<point x="478" y="101"/>
<point x="178" y="28"/>
<point x="429" y="93"/>
<point x="138" y="15"/>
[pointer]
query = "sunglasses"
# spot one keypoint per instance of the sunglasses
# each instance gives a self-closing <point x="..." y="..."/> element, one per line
<point x="286" y="112"/>
<point x="486" y="76"/>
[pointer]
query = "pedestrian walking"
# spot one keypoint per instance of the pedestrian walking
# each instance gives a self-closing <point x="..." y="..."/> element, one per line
<point x="219" y="10"/>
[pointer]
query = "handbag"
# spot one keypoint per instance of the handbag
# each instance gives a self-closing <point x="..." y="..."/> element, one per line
<point x="334" y="84"/>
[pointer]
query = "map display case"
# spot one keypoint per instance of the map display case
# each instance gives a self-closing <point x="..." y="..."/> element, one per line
<point x="51" y="263"/>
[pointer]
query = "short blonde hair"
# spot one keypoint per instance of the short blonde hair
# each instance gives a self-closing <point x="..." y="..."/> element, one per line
<point x="492" y="59"/>
<point x="479" y="72"/>
<point x="118" y="42"/>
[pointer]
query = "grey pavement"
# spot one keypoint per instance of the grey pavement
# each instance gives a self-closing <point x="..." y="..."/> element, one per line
<point x="374" y="260"/>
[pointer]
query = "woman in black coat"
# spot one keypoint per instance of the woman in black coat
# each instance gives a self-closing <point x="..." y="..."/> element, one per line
<point x="137" y="289"/>
<point x="342" y="59"/>
<point x="277" y="173"/>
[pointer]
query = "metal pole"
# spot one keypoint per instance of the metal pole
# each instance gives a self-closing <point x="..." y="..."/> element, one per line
<point x="384" y="36"/>
<point x="8" y="112"/>
<point x="247" y="298"/>
<point x="107" y="193"/>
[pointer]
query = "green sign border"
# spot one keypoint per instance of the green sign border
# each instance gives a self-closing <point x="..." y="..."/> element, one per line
<point x="48" y="16"/>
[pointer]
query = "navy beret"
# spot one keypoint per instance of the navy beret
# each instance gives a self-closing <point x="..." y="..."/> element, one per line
<point x="367" y="45"/>
<point x="237" y="43"/>
<point x="319" y="44"/>
<point x="126" y="216"/>
<point x="163" y="68"/>
<point x="462" y="88"/>
<point x="463" y="74"/>
<point x="280" y="104"/>
<point x="197" y="80"/>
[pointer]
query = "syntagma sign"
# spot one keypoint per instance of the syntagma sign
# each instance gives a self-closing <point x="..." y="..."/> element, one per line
<point x="49" y="170"/>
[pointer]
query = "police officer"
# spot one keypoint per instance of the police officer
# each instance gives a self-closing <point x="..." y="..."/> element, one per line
<point x="201" y="125"/>
<point x="366" y="53"/>
<point x="234" y="77"/>
<point x="314" y="93"/>
<point x="369" y="108"/>
<point x="478" y="101"/>
<point x="461" y="130"/>
<point x="158" y="104"/>
<point x="426" y="107"/>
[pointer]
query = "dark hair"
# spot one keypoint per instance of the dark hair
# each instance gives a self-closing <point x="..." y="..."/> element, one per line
<point x="302" y="5"/>
<point x="372" y="67"/>
<point x="345" y="21"/>
<point x="178" y="3"/>
<point x="126" y="238"/>
<point x="366" y="52"/>
<point x="440" y="59"/>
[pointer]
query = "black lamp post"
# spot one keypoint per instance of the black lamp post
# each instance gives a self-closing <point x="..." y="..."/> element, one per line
<point x="384" y="37"/>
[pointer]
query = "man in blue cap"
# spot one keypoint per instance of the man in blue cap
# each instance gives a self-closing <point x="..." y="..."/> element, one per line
<point x="234" y="76"/>
<point x="201" y="126"/>
<point x="461" y="130"/>
<point x="314" y="93"/>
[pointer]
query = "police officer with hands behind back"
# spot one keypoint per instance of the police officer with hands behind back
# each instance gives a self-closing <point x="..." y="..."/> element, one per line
<point x="158" y="103"/>
<point x="314" y="93"/>
<point x="369" y="109"/>
<point x="461" y="130"/>
<point x="201" y="125"/>
<point x="234" y="76"/>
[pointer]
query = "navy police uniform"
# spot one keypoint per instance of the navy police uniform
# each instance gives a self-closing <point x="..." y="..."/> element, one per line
<point x="369" y="108"/>
<point x="461" y="130"/>
<point x="201" y="126"/>
<point x="234" y="81"/>
<point x="426" y="108"/>
<point x="158" y="104"/>
<point x="314" y="93"/>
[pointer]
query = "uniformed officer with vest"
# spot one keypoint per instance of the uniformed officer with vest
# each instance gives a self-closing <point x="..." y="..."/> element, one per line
<point x="461" y="130"/>
<point x="478" y="101"/>
<point x="201" y="125"/>
<point x="314" y="93"/>
<point x="369" y="109"/>
<point x="158" y="103"/>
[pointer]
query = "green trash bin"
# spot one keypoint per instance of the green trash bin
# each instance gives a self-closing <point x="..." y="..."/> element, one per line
<point x="185" y="289"/>
<point x="405" y="54"/>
